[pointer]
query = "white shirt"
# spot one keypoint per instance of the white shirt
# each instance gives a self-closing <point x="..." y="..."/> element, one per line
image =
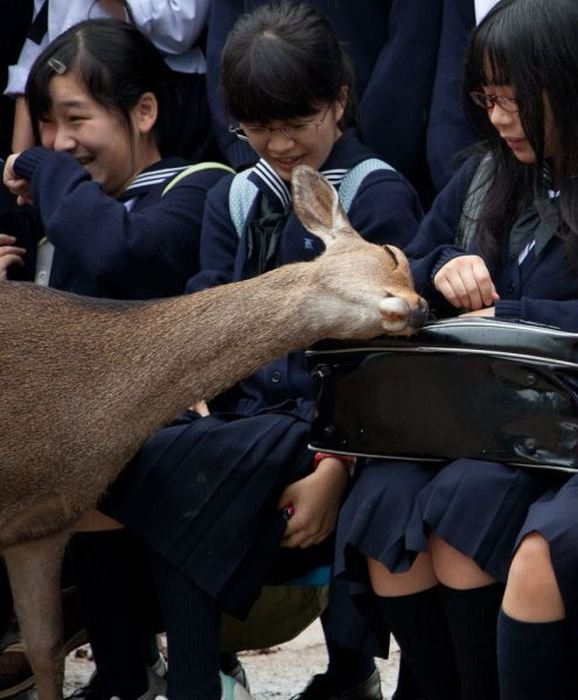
<point x="482" y="8"/>
<point x="172" y="25"/>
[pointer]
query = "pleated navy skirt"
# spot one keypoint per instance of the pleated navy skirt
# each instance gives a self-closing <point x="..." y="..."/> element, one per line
<point x="477" y="507"/>
<point x="204" y="492"/>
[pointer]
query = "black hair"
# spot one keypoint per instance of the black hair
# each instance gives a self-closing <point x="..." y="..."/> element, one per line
<point x="115" y="62"/>
<point x="283" y="61"/>
<point x="531" y="46"/>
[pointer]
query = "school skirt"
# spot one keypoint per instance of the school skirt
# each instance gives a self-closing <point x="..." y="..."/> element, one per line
<point x="555" y="517"/>
<point x="204" y="493"/>
<point x="477" y="507"/>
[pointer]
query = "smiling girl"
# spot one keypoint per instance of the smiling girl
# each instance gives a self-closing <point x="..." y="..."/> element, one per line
<point x="100" y="101"/>
<point x="434" y="547"/>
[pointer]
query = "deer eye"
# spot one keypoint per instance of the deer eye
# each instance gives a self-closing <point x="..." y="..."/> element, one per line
<point x="392" y="255"/>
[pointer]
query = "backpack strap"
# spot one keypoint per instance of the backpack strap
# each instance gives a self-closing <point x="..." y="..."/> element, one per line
<point x="243" y="192"/>
<point x="242" y="195"/>
<point x="477" y="191"/>
<point x="354" y="177"/>
<point x="195" y="168"/>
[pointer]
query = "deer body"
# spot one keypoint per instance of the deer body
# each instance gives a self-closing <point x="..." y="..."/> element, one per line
<point x="84" y="383"/>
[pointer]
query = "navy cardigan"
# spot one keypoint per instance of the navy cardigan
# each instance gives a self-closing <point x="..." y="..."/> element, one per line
<point x="102" y="248"/>
<point x="543" y="289"/>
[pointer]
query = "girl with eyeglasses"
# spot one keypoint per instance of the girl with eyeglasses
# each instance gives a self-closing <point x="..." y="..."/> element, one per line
<point x="435" y="548"/>
<point x="236" y="491"/>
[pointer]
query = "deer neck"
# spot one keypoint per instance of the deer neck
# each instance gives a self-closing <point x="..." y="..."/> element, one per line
<point x="210" y="340"/>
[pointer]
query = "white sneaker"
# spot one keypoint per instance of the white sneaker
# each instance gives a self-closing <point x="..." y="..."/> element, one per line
<point x="157" y="681"/>
<point x="231" y="689"/>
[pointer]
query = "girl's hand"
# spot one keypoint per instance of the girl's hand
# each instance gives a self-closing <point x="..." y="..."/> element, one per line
<point x="17" y="185"/>
<point x="488" y="311"/>
<point x="317" y="499"/>
<point x="9" y="254"/>
<point x="466" y="283"/>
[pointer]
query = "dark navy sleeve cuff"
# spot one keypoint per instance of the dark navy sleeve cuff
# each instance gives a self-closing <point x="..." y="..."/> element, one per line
<point x="27" y="162"/>
<point x="509" y="309"/>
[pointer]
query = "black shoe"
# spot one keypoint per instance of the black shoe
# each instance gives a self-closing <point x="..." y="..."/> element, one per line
<point x="320" y="687"/>
<point x="157" y="683"/>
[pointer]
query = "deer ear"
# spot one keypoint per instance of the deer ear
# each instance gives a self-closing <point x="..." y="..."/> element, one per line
<point x="317" y="206"/>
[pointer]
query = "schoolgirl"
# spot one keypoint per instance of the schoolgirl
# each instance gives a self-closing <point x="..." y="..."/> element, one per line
<point x="176" y="29"/>
<point x="432" y="547"/>
<point x="218" y="484"/>
<point x="101" y="109"/>
<point x="119" y="219"/>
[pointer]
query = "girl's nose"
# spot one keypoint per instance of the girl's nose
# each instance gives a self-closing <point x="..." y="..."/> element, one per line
<point x="499" y="116"/>
<point x="63" y="140"/>
<point x="279" y="142"/>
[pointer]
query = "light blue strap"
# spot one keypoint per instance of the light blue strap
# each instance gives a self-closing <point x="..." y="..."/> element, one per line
<point x="242" y="194"/>
<point x="320" y="576"/>
<point x="354" y="177"/>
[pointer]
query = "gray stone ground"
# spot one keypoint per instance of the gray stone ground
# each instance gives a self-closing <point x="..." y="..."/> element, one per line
<point x="278" y="672"/>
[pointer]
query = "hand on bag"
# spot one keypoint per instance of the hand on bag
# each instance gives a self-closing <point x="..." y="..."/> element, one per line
<point x="466" y="283"/>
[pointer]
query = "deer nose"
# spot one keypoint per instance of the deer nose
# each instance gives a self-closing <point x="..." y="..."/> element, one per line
<point x="419" y="314"/>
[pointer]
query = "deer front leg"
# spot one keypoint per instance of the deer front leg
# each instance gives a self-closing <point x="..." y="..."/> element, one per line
<point x="35" y="569"/>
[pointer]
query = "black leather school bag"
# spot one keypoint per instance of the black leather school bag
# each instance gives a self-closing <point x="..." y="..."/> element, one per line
<point x="478" y="388"/>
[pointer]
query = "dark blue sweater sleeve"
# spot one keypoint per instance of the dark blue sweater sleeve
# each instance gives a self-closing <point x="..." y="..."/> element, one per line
<point x="395" y="104"/>
<point x="219" y="241"/>
<point x="435" y="243"/>
<point x="132" y="254"/>
<point x="561" y="314"/>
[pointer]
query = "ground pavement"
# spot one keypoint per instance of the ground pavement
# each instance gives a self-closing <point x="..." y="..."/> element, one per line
<point x="278" y="672"/>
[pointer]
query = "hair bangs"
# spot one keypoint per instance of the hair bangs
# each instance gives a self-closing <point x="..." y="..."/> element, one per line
<point x="267" y="84"/>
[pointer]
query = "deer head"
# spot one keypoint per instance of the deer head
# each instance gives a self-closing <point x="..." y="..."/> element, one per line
<point x="379" y="281"/>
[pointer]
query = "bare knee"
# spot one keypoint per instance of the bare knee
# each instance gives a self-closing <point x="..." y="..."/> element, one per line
<point x="532" y="592"/>
<point x="455" y="569"/>
<point x="419" y="577"/>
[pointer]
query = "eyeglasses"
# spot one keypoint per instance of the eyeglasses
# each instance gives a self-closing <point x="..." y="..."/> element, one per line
<point x="295" y="130"/>
<point x="508" y="104"/>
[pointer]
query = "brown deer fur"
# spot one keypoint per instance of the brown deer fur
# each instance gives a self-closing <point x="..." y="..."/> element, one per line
<point x="84" y="382"/>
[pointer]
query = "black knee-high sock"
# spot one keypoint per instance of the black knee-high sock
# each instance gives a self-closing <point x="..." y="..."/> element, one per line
<point x="419" y="625"/>
<point x="534" y="659"/>
<point x="346" y="667"/>
<point x="113" y="580"/>
<point x="192" y="622"/>
<point x="472" y="618"/>
<point x="407" y="687"/>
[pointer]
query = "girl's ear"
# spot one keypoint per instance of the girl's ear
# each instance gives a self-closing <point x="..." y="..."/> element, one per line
<point x="342" y="102"/>
<point x="145" y="112"/>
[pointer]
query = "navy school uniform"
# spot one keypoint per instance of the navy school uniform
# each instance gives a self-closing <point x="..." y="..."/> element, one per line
<point x="142" y="246"/>
<point x="478" y="507"/>
<point x="204" y="491"/>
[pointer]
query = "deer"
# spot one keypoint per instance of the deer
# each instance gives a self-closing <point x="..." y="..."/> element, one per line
<point x="84" y="382"/>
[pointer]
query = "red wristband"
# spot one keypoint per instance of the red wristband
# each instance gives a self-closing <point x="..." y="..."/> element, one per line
<point x="349" y="460"/>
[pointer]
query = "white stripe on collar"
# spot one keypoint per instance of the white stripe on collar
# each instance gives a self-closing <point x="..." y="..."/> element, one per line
<point x="155" y="177"/>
